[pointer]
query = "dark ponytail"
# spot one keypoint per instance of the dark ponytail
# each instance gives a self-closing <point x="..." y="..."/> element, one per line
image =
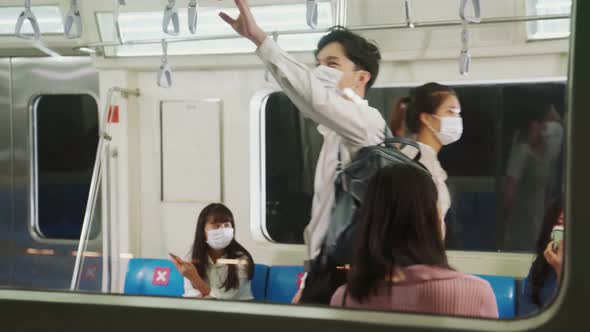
<point x="397" y="122"/>
<point x="425" y="99"/>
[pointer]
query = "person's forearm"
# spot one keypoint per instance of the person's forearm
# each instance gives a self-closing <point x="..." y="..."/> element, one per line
<point x="199" y="284"/>
<point x="258" y="38"/>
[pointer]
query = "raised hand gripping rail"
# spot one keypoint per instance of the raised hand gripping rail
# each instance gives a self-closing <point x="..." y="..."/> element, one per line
<point x="312" y="13"/>
<point x="28" y="15"/>
<point x="171" y="15"/>
<point x="73" y="20"/>
<point x="193" y="13"/>
<point x="476" y="18"/>
<point x="165" y="73"/>
<point x="95" y="182"/>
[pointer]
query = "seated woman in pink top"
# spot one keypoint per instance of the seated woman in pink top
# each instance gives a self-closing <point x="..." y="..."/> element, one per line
<point x="400" y="262"/>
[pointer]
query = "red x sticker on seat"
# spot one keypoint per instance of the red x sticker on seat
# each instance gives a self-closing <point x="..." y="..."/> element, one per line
<point x="161" y="276"/>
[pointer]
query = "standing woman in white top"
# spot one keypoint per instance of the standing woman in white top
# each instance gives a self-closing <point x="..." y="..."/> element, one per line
<point x="220" y="267"/>
<point x="432" y="116"/>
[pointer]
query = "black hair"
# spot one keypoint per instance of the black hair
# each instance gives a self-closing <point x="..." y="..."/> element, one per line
<point x="400" y="226"/>
<point x="426" y="98"/>
<point x="363" y="53"/>
<point x="219" y="213"/>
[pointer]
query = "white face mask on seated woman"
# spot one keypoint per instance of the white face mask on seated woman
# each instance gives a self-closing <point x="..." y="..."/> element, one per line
<point x="220" y="238"/>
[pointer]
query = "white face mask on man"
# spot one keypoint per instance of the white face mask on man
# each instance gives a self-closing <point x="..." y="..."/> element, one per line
<point x="451" y="129"/>
<point x="220" y="238"/>
<point x="331" y="78"/>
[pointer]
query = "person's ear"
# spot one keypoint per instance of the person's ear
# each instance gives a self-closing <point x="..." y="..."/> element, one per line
<point x="425" y="119"/>
<point x="362" y="78"/>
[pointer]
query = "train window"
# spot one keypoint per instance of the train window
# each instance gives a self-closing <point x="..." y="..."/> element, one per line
<point x="552" y="28"/>
<point x="147" y="25"/>
<point x="65" y="131"/>
<point x="502" y="173"/>
<point x="49" y="18"/>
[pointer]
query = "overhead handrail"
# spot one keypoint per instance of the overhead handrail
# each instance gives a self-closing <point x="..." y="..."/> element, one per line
<point x="377" y="27"/>
<point x="312" y="13"/>
<point x="27" y="15"/>
<point x="73" y="20"/>
<point x="165" y="73"/>
<point x="476" y="18"/>
<point x="171" y="16"/>
<point x="38" y="44"/>
<point x="193" y="13"/>
<point x="408" y="8"/>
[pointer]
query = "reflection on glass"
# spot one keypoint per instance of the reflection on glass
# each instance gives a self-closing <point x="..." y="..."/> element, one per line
<point x="533" y="164"/>
<point x="499" y="185"/>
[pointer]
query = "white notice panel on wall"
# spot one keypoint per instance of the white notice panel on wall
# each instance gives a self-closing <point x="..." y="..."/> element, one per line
<point x="191" y="151"/>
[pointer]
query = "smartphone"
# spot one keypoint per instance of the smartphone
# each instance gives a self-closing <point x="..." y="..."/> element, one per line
<point x="175" y="258"/>
<point x="557" y="236"/>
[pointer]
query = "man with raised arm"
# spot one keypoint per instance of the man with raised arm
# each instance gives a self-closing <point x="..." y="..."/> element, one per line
<point x="332" y="95"/>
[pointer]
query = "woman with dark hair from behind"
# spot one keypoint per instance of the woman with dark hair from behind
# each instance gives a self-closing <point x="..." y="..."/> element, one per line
<point x="400" y="263"/>
<point x="220" y="267"/>
<point x="545" y="273"/>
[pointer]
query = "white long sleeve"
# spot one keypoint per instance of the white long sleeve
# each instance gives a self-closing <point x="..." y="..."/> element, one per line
<point x="351" y="121"/>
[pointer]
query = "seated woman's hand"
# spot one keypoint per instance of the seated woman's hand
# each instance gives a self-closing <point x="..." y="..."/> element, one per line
<point x="555" y="259"/>
<point x="187" y="269"/>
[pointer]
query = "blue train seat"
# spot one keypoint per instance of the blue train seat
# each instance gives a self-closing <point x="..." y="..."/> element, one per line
<point x="282" y="283"/>
<point x="159" y="277"/>
<point x="275" y="284"/>
<point x="259" y="282"/>
<point x="505" y="290"/>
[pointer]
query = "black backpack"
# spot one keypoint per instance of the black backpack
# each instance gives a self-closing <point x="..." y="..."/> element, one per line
<point x="350" y="188"/>
<point x="327" y="271"/>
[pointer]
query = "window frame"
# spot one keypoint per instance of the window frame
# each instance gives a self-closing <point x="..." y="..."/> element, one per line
<point x="154" y="313"/>
<point x="33" y="225"/>
<point x="530" y="26"/>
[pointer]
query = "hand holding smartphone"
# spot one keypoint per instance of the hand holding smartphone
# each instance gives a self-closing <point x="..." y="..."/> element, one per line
<point x="175" y="258"/>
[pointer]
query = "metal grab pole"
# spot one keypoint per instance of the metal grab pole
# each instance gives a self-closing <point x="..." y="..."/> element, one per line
<point x="95" y="183"/>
